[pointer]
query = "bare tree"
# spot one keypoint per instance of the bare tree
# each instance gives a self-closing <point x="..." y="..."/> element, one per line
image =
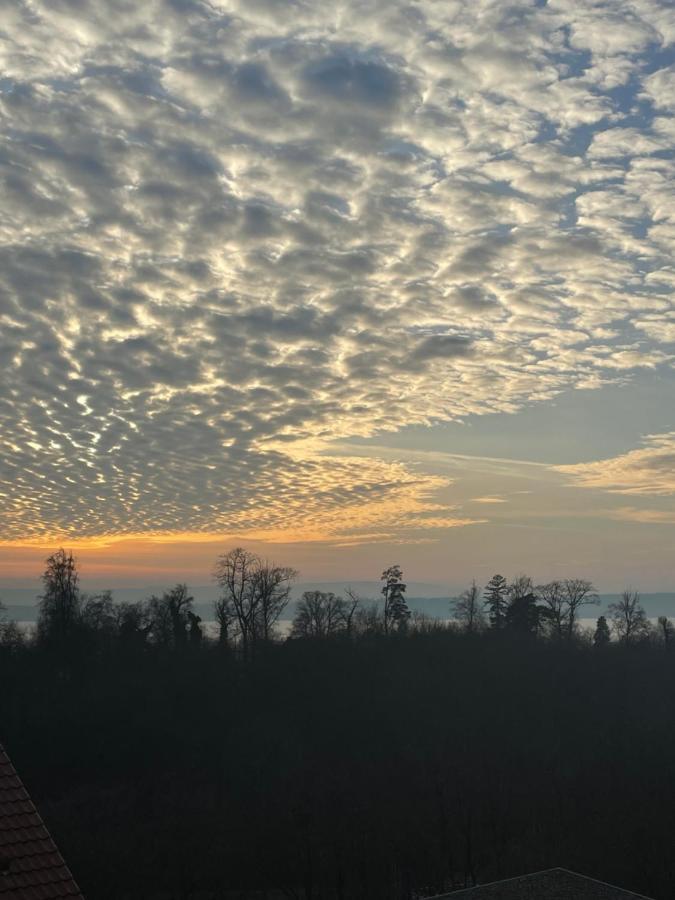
<point x="577" y="592"/>
<point x="468" y="609"/>
<point x="99" y="613"/>
<point x="254" y="594"/>
<point x="369" y="619"/>
<point x="235" y="572"/>
<point x="319" y="614"/>
<point x="272" y="591"/>
<point x="11" y="636"/>
<point x="226" y="617"/>
<point x="169" y="616"/>
<point x="552" y="597"/>
<point x="60" y="602"/>
<point x="352" y="605"/>
<point x="629" y="618"/>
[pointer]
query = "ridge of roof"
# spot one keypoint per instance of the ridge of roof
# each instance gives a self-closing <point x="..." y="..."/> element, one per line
<point x="31" y="867"/>
<point x="619" y="893"/>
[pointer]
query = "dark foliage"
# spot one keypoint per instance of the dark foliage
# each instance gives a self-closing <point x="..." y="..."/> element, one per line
<point x="347" y="762"/>
<point x="347" y="767"/>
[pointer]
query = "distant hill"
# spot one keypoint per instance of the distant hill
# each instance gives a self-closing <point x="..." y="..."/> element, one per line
<point x="431" y="599"/>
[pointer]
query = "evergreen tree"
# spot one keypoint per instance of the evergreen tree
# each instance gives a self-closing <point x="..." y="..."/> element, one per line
<point x="602" y="636"/>
<point x="496" y="601"/>
<point x="523" y="614"/>
<point x="396" y="612"/>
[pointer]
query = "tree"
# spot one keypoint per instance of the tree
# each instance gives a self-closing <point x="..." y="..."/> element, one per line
<point x="468" y="609"/>
<point x="522" y="614"/>
<point x="577" y="592"/>
<point x="254" y="594"/>
<point x="272" y="591"/>
<point x="99" y="614"/>
<point x="629" y="618"/>
<point x="11" y="636"/>
<point x="134" y="622"/>
<point x="396" y="612"/>
<point x="351" y="608"/>
<point x="194" y="628"/>
<point x="235" y="573"/>
<point x="601" y="636"/>
<point x="225" y="617"/>
<point x="667" y="630"/>
<point x="369" y="619"/>
<point x="59" y="606"/>
<point x="496" y="601"/>
<point x="555" y="612"/>
<point x="169" y="616"/>
<point x="319" y="614"/>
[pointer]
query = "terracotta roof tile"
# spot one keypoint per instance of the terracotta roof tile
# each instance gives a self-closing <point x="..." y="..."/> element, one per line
<point x="31" y="867"/>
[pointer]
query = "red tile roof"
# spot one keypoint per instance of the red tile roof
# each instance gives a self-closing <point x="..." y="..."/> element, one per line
<point x="31" y="868"/>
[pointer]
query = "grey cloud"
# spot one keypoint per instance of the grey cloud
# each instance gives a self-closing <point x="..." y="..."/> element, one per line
<point x="349" y="79"/>
<point x="226" y="231"/>
<point x="442" y="346"/>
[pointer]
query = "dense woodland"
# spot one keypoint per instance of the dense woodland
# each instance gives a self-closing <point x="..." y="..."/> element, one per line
<point x="371" y="754"/>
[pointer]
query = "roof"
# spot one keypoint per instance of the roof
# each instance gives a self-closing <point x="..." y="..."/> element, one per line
<point x="551" y="884"/>
<point x="31" y="868"/>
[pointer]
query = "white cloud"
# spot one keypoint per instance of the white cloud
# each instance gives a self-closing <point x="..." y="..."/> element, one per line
<point x="233" y="227"/>
<point x="649" y="470"/>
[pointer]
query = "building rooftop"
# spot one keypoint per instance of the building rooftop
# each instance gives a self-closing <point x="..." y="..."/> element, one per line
<point x="31" y="867"/>
<point x="551" y="884"/>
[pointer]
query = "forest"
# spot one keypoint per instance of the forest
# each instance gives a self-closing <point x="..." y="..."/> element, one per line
<point x="371" y="752"/>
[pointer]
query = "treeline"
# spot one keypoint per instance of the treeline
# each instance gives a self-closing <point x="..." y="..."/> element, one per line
<point x="374" y="754"/>
<point x="255" y="593"/>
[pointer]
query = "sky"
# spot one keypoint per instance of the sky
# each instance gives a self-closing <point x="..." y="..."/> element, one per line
<point x="347" y="284"/>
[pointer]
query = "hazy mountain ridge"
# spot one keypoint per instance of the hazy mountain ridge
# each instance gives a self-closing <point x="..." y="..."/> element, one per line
<point x="433" y="600"/>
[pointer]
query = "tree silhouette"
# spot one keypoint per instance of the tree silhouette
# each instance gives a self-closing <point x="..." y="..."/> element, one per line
<point x="523" y="615"/>
<point x="59" y="606"/>
<point x="667" y="630"/>
<point x="194" y="628"/>
<point x="254" y="594"/>
<point x="601" y="636"/>
<point x="555" y="611"/>
<point x="467" y="609"/>
<point x="272" y="591"/>
<point x="169" y="616"/>
<point x="396" y="612"/>
<point x="629" y="618"/>
<point x="577" y="592"/>
<point x="235" y="573"/>
<point x="496" y="601"/>
<point x="319" y="614"/>
<point x="185" y="764"/>
<point x="11" y="636"/>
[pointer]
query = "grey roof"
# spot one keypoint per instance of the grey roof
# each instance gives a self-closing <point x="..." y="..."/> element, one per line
<point x="551" y="884"/>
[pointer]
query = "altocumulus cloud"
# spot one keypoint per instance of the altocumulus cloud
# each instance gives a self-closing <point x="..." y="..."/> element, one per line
<point x="232" y="231"/>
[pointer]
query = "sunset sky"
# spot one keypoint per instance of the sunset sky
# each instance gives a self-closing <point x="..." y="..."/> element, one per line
<point x="347" y="283"/>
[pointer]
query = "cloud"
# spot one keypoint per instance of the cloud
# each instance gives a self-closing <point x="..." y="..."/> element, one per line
<point x="231" y="231"/>
<point x="649" y="470"/>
